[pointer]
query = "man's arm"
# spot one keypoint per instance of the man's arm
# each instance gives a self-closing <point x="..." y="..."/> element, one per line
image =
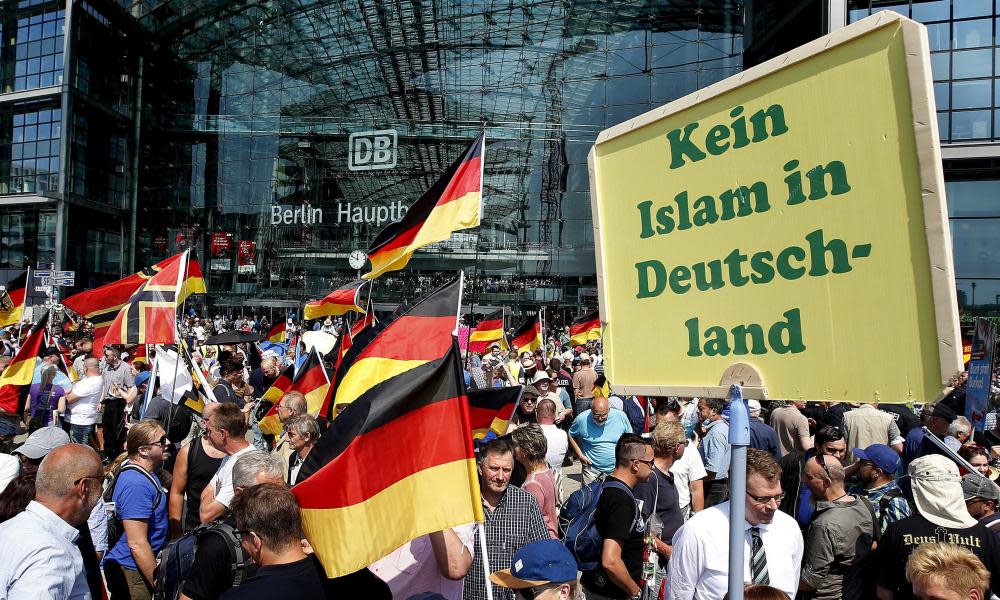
<point x="611" y="561"/>
<point x="175" y="508"/>
<point x="453" y="558"/>
<point x="697" y="487"/>
<point x="819" y="555"/>
<point x="137" y="533"/>
<point x="210" y="509"/>
<point x="577" y="451"/>
<point x="685" y="566"/>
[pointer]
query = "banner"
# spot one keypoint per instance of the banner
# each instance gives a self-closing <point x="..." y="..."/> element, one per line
<point x="977" y="389"/>
<point x="768" y="230"/>
<point x="246" y="256"/>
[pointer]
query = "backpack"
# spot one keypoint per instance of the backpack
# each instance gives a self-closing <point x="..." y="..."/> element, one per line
<point x="883" y="507"/>
<point x="115" y="527"/>
<point x="577" y="526"/>
<point x="177" y="558"/>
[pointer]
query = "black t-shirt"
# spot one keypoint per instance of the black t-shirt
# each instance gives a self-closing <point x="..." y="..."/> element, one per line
<point x="615" y="519"/>
<point x="904" y="536"/>
<point x="668" y="509"/>
<point x="211" y="572"/>
<point x="834" y="416"/>
<point x="300" y="578"/>
<point x="905" y="418"/>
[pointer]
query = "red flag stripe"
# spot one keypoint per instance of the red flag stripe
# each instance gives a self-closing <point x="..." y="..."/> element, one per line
<point x="374" y="448"/>
<point x="413" y="338"/>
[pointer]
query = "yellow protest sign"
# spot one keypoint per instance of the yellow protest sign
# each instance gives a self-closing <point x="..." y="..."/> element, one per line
<point x="790" y="218"/>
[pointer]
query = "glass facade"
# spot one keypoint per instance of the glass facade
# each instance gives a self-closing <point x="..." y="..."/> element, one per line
<point x="278" y="139"/>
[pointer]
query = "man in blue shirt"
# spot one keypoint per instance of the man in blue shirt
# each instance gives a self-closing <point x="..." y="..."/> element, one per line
<point x="714" y="449"/>
<point x="593" y="437"/>
<point x="762" y="436"/>
<point x="141" y="504"/>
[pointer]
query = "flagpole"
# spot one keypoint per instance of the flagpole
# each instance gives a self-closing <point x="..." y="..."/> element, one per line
<point x="181" y="278"/>
<point x="486" y="560"/>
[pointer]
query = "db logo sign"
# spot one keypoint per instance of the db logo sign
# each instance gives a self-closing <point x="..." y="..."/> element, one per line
<point x="370" y="150"/>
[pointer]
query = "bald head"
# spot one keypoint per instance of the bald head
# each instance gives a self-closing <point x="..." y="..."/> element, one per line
<point x="92" y="364"/>
<point x="296" y="402"/>
<point x="600" y="404"/>
<point x="64" y="465"/>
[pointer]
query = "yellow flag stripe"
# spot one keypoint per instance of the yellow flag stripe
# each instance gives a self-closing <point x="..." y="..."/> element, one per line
<point x="367" y="372"/>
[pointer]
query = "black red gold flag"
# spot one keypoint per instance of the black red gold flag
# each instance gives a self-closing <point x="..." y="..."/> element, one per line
<point x="489" y="330"/>
<point x="270" y="424"/>
<point x="339" y="301"/>
<point x="527" y="337"/>
<point x="491" y="410"/>
<point x="364" y="490"/>
<point x="277" y="333"/>
<point x="150" y="315"/>
<point x="16" y="378"/>
<point x="454" y="202"/>
<point x="12" y="300"/>
<point x="409" y="338"/>
<point x="584" y="329"/>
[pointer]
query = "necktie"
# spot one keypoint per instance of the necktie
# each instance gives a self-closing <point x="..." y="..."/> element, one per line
<point x="758" y="559"/>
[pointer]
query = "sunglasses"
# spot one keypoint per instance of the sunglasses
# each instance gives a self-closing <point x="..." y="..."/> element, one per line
<point x="163" y="442"/>
<point x="822" y="463"/>
<point x="534" y="592"/>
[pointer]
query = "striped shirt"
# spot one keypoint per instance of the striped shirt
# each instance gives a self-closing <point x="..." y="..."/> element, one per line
<point x="897" y="508"/>
<point x="515" y="522"/>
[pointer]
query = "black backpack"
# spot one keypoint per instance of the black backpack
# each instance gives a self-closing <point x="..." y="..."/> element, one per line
<point x="115" y="527"/>
<point x="177" y="558"/>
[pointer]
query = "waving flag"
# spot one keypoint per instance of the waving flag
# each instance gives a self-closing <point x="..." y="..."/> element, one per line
<point x="357" y="506"/>
<point x="278" y="333"/>
<point x="409" y="338"/>
<point x="454" y="202"/>
<point x="337" y="302"/>
<point x="16" y="378"/>
<point x="489" y="330"/>
<point x="101" y="305"/>
<point x="270" y="424"/>
<point x="150" y="315"/>
<point x="12" y="300"/>
<point x="491" y="410"/>
<point x="528" y="337"/>
<point x="584" y="329"/>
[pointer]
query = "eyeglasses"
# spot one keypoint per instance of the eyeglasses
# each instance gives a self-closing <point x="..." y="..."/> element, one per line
<point x="767" y="499"/>
<point x="163" y="442"/>
<point x="86" y="477"/>
<point x="531" y="593"/>
<point x="648" y="463"/>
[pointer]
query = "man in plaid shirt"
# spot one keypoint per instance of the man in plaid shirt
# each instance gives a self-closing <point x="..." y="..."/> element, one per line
<point x="877" y="465"/>
<point x="512" y="519"/>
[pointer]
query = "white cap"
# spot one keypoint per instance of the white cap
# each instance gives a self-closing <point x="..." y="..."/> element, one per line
<point x="753" y="406"/>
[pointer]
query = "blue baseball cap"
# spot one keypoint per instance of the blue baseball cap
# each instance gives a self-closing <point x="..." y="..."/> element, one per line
<point x="880" y="455"/>
<point x="142" y="378"/>
<point x="537" y="563"/>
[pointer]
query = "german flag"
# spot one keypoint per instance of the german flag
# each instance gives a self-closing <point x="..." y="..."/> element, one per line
<point x="150" y="315"/>
<point x="277" y="333"/>
<point x="365" y="321"/>
<point x="337" y="302"/>
<point x="584" y="329"/>
<point x="270" y="424"/>
<point x="491" y="410"/>
<point x="312" y="382"/>
<point x="12" y="300"/>
<point x="357" y="506"/>
<point x="411" y="337"/>
<point x="489" y="330"/>
<point x="16" y="378"/>
<point x="339" y="351"/>
<point x="454" y="202"/>
<point x="528" y="337"/>
<point x="101" y="305"/>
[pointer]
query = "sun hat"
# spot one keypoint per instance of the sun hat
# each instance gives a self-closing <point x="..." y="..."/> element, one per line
<point x="42" y="441"/>
<point x="537" y="563"/>
<point x="937" y="492"/>
<point x="540" y="376"/>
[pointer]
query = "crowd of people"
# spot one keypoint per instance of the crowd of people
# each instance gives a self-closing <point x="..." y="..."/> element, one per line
<point x="117" y="492"/>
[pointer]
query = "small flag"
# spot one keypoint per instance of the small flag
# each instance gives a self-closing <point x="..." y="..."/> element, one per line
<point x="409" y="338"/>
<point x="491" y="410"/>
<point x="356" y="507"/>
<point x="365" y="321"/>
<point x="16" y="378"/>
<point x="528" y="337"/>
<point x="454" y="202"/>
<point x="12" y="300"/>
<point x="584" y="329"/>
<point x="277" y="333"/>
<point x="270" y="424"/>
<point x="339" y="351"/>
<point x="489" y="330"/>
<point x="337" y="302"/>
<point x="150" y="315"/>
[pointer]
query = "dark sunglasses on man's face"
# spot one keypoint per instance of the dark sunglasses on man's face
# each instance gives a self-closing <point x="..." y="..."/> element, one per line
<point x="163" y="442"/>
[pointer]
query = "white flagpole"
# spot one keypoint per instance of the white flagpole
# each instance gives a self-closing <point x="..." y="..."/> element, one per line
<point x="486" y="560"/>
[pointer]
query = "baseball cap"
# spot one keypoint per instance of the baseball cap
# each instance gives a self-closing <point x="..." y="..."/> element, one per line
<point x="42" y="442"/>
<point x="880" y="455"/>
<point x="974" y="485"/>
<point x="937" y="492"/>
<point x="142" y="378"/>
<point x="943" y="412"/>
<point x="753" y="405"/>
<point x="537" y="563"/>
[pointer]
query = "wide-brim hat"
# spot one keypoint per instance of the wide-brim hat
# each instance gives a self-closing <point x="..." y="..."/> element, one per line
<point x="41" y="442"/>
<point x="937" y="492"/>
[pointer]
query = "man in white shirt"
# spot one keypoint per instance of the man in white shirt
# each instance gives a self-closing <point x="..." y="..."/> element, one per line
<point x="40" y="558"/>
<point x="226" y="429"/>
<point x="772" y="548"/>
<point x="558" y="440"/>
<point x="82" y="402"/>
